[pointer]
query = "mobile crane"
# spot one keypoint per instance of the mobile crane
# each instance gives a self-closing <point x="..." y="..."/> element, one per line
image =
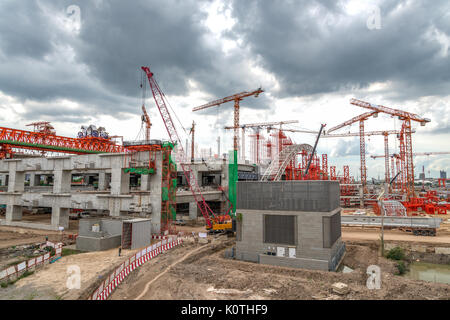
<point x="214" y="222"/>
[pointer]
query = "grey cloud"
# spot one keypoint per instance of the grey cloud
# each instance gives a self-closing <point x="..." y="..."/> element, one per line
<point x="346" y="147"/>
<point x="310" y="56"/>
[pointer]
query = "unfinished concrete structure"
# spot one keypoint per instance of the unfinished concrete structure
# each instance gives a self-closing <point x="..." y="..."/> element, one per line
<point x="136" y="233"/>
<point x="290" y="223"/>
<point x="210" y="174"/>
<point x="114" y="194"/>
<point x="99" y="234"/>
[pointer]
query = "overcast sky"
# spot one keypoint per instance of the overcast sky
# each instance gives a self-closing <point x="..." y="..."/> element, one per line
<point x="78" y="63"/>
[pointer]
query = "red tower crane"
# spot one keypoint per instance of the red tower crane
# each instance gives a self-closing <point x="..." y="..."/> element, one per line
<point x="407" y="117"/>
<point x="259" y="125"/>
<point x="236" y="98"/>
<point x="362" y="144"/>
<point x="212" y="220"/>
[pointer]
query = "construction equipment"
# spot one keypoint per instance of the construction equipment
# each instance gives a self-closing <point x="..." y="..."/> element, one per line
<point x="148" y="124"/>
<point x="362" y="145"/>
<point x="406" y="117"/>
<point x="233" y="163"/>
<point x="214" y="222"/>
<point x="192" y="133"/>
<point x="257" y="126"/>
<point x="44" y="141"/>
<point x="236" y="98"/>
<point x="414" y="154"/>
<point x="314" y="149"/>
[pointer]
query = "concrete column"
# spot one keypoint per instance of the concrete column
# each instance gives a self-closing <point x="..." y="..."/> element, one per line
<point x="61" y="181"/>
<point x="120" y="181"/>
<point x="361" y="197"/>
<point x="60" y="217"/>
<point x="145" y="185"/>
<point x="114" y="207"/>
<point x="16" y="181"/>
<point x="154" y="181"/>
<point x="193" y="211"/>
<point x="34" y="179"/>
<point x="13" y="213"/>
<point x="102" y="182"/>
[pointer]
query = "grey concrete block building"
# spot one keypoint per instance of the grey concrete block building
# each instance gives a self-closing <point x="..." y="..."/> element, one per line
<point x="99" y="234"/>
<point x="290" y="223"/>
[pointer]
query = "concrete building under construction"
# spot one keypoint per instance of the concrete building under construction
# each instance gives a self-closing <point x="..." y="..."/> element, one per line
<point x="290" y="223"/>
<point x="115" y="193"/>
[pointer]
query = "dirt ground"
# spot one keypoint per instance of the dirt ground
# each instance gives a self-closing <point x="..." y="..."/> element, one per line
<point x="357" y="233"/>
<point x="49" y="283"/>
<point x="206" y="274"/>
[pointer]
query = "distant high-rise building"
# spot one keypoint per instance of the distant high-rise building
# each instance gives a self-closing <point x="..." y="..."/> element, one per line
<point x="421" y="176"/>
<point x="443" y="174"/>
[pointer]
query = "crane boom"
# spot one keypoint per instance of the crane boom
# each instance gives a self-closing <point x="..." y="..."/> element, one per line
<point x="415" y="154"/>
<point x="361" y="117"/>
<point x="237" y="96"/>
<point x="263" y="124"/>
<point x="394" y="112"/>
<point x="405" y="138"/>
<point x="173" y="135"/>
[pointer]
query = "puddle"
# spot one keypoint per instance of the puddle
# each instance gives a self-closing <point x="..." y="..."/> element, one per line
<point x="430" y="272"/>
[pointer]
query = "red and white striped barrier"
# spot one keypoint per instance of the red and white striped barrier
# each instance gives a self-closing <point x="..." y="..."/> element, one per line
<point x="159" y="237"/>
<point x="16" y="270"/>
<point x="119" y="275"/>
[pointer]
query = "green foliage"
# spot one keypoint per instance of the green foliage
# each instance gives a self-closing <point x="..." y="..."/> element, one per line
<point x="401" y="267"/>
<point x="68" y="252"/>
<point x="10" y="282"/>
<point x="396" y="253"/>
<point x="51" y="250"/>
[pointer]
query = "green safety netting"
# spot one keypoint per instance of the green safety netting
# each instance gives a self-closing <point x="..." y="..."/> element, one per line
<point x="140" y="170"/>
<point x="232" y="179"/>
<point x="165" y="193"/>
<point x="173" y="212"/>
<point x="43" y="146"/>
<point x="168" y="144"/>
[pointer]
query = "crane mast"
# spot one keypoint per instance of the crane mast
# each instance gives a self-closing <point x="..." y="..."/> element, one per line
<point x="148" y="124"/>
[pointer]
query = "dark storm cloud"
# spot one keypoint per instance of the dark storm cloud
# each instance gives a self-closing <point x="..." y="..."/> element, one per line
<point x="315" y="47"/>
<point x="311" y="47"/>
<point x="115" y="39"/>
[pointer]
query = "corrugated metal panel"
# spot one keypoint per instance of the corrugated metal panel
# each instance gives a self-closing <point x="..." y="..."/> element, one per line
<point x="322" y="196"/>
<point x="141" y="235"/>
<point x="279" y="229"/>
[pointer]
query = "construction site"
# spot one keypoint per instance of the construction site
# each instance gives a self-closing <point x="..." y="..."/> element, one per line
<point x="270" y="219"/>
